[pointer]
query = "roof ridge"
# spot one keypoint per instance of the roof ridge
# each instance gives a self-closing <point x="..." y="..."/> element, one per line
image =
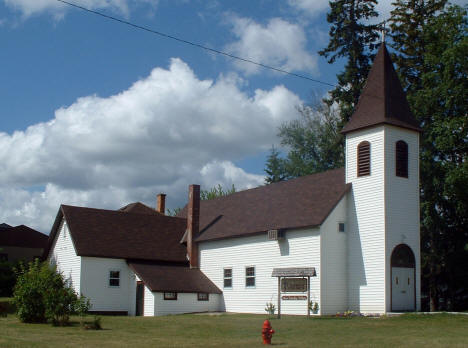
<point x="283" y="182"/>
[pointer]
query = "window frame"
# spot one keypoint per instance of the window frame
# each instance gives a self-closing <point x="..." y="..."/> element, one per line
<point x="339" y="227"/>
<point x="113" y="278"/>
<point x="227" y="278"/>
<point x="254" y="276"/>
<point x="203" y="299"/>
<point x="401" y="159"/>
<point x="361" y="162"/>
<point x="169" y="298"/>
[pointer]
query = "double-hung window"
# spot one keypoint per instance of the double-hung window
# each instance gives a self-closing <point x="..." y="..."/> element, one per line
<point x="114" y="278"/>
<point x="250" y="276"/>
<point x="227" y="275"/>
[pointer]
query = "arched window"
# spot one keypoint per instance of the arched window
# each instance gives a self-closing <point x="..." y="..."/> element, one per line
<point x="402" y="256"/>
<point x="363" y="158"/>
<point x="401" y="159"/>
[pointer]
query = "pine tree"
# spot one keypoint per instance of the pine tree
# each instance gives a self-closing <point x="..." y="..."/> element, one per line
<point x="354" y="38"/>
<point x="274" y="167"/>
<point x="431" y="49"/>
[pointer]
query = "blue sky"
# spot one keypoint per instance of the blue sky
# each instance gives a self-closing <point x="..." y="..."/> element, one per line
<point x="99" y="114"/>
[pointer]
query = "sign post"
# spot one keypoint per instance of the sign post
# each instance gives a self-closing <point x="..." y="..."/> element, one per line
<point x="290" y="284"/>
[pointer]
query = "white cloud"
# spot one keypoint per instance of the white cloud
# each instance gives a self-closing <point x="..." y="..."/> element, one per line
<point x="166" y="131"/>
<point x="58" y="9"/>
<point x="279" y="43"/>
<point x="310" y="7"/>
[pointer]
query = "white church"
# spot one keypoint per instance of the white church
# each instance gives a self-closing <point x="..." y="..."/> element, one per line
<point x="346" y="239"/>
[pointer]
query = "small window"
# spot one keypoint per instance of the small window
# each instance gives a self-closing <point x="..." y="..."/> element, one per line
<point x="203" y="296"/>
<point x="341" y="227"/>
<point x="170" y="296"/>
<point x="228" y="277"/>
<point x="249" y="276"/>
<point x="401" y="159"/>
<point x="114" y="278"/>
<point x="363" y="159"/>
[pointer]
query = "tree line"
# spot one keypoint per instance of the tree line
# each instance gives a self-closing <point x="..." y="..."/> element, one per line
<point x="429" y="44"/>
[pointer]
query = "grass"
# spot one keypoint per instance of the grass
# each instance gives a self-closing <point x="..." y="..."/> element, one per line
<point x="243" y="330"/>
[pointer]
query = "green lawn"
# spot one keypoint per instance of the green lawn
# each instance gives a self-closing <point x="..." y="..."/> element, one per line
<point x="241" y="330"/>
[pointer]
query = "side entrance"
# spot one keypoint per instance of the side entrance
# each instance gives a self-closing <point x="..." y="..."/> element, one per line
<point x="140" y="298"/>
<point x="403" y="274"/>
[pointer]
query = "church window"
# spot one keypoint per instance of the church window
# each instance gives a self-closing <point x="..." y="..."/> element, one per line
<point x="363" y="158"/>
<point x="170" y="296"/>
<point x="227" y="277"/>
<point x="114" y="278"/>
<point x="401" y="164"/>
<point x="249" y="276"/>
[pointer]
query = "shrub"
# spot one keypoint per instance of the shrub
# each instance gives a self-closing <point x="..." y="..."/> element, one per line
<point x="28" y="293"/>
<point x="41" y="294"/>
<point x="7" y="278"/>
<point x="270" y="308"/>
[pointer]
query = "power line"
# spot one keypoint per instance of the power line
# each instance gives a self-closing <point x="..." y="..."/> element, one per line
<point x="194" y="44"/>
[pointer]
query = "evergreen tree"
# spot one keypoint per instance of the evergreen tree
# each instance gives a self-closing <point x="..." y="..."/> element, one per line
<point x="432" y="47"/>
<point x="274" y="167"/>
<point x="215" y="192"/>
<point x="354" y="38"/>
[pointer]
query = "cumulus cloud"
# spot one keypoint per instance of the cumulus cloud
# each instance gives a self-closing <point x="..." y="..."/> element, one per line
<point x="58" y="9"/>
<point x="278" y="43"/>
<point x="310" y="7"/>
<point x="166" y="131"/>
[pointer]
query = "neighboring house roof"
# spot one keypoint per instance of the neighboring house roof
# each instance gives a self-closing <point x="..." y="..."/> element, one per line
<point x="300" y="202"/>
<point x="382" y="100"/>
<point x="22" y="236"/>
<point x="139" y="208"/>
<point x="171" y="278"/>
<point x="118" y="234"/>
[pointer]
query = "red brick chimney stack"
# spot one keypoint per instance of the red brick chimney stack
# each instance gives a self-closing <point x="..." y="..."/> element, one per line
<point x="193" y="224"/>
<point x="161" y="203"/>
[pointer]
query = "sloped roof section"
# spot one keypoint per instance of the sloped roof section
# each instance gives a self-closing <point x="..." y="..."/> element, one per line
<point x="173" y="278"/>
<point x="382" y="100"/>
<point x="301" y="202"/>
<point x="117" y="234"/>
<point x="139" y="208"/>
<point x="22" y="236"/>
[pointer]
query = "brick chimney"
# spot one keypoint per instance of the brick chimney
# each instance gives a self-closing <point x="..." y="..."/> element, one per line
<point x="193" y="224"/>
<point x="161" y="203"/>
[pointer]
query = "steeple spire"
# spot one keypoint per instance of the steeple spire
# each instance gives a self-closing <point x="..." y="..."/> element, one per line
<point x="382" y="100"/>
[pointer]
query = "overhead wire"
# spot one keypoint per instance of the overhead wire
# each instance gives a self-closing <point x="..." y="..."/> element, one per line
<point x="156" y="32"/>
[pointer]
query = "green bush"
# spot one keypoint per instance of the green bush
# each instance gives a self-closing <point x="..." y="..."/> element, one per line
<point x="41" y="294"/>
<point x="7" y="278"/>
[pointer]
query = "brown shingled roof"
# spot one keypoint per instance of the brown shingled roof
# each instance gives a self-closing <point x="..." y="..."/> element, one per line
<point x="139" y="208"/>
<point x="301" y="202"/>
<point x="172" y="278"/>
<point x="117" y="234"/>
<point x="382" y="100"/>
<point x="22" y="236"/>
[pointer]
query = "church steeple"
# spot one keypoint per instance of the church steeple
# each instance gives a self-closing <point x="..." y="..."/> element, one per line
<point x="382" y="100"/>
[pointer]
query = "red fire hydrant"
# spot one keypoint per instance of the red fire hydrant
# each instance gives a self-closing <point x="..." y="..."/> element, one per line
<point x="267" y="332"/>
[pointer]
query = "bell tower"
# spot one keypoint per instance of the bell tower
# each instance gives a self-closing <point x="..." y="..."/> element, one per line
<point x="382" y="164"/>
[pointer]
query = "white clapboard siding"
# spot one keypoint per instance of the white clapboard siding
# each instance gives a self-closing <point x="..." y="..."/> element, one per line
<point x="366" y="224"/>
<point x="95" y="284"/>
<point x="63" y="255"/>
<point x="334" y="277"/>
<point x="185" y="303"/>
<point x="402" y="202"/>
<point x="148" y="305"/>
<point x="299" y="248"/>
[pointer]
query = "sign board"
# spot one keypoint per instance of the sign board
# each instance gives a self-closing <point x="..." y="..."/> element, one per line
<point x="294" y="297"/>
<point x="293" y="284"/>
